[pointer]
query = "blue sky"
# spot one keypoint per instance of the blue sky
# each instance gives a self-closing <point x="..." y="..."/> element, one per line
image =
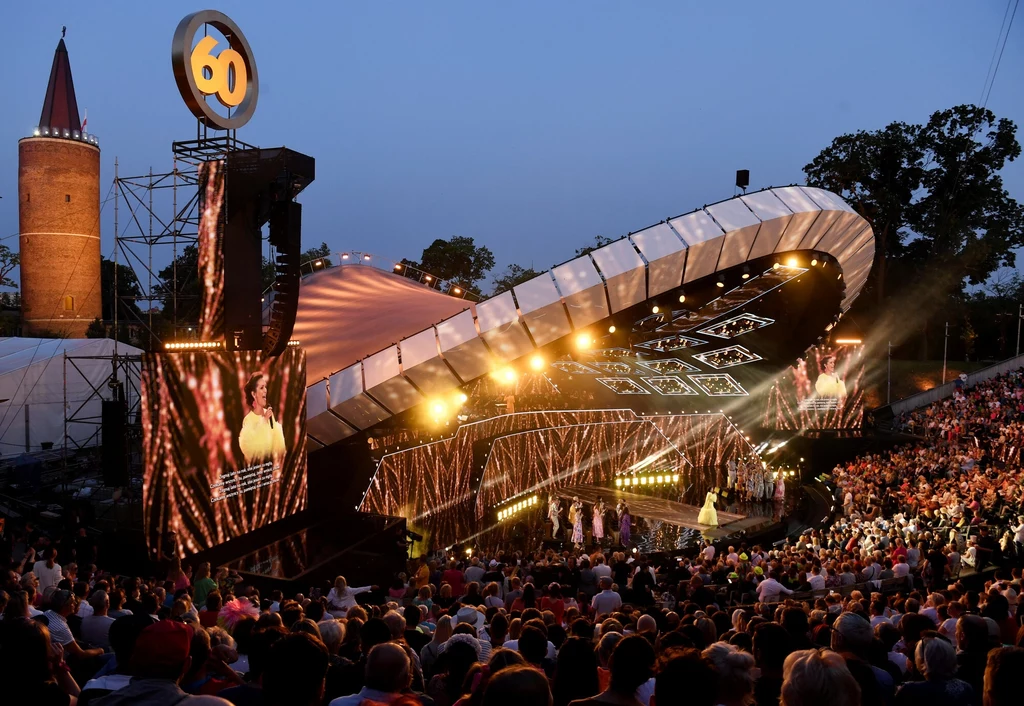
<point x="530" y="126"/>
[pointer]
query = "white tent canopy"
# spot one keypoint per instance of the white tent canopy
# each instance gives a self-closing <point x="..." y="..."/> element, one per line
<point x="32" y="387"/>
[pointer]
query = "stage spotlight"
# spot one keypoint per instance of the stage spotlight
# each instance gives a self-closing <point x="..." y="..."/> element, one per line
<point x="675" y="477"/>
<point x="792" y="262"/>
<point x="429" y="278"/>
<point x="537" y="362"/>
<point x="643" y="480"/>
<point x="366" y="257"/>
<point x="721" y="281"/>
<point x="583" y="341"/>
<point x="776" y="266"/>
<point x="463" y="398"/>
<point x="746" y="272"/>
<point x="814" y="262"/>
<point x="682" y="298"/>
<point x="618" y="482"/>
<point x="456" y="290"/>
<point x="508" y="375"/>
<point x="611" y="329"/>
<point x="318" y="263"/>
<point x="398" y="266"/>
<point x="344" y="256"/>
<point x="655" y="309"/>
<point x="437" y="408"/>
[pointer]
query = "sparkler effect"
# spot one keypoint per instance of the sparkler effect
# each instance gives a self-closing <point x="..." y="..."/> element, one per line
<point x="791" y="400"/>
<point x="211" y="260"/>
<point x="441" y="486"/>
<point x="193" y="405"/>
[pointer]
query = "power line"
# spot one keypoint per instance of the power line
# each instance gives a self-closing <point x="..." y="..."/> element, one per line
<point x="990" y="78"/>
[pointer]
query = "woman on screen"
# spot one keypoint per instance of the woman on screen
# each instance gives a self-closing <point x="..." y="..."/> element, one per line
<point x="261" y="437"/>
<point x="829" y="384"/>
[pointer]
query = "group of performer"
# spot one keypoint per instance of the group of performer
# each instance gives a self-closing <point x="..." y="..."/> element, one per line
<point x="754" y="482"/>
<point x="600" y="523"/>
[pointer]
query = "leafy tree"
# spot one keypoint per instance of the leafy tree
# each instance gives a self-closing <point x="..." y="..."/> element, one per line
<point x="96" y="329"/>
<point x="321" y="254"/>
<point x="515" y="274"/>
<point x="8" y="261"/>
<point x="599" y="242"/>
<point x="128" y="290"/>
<point x="933" y="195"/>
<point x="458" y="260"/>
<point x="187" y="290"/>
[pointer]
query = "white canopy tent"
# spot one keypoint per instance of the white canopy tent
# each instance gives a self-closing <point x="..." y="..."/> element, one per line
<point x="32" y="390"/>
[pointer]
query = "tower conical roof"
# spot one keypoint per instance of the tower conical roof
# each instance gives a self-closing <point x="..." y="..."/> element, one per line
<point x="60" y="108"/>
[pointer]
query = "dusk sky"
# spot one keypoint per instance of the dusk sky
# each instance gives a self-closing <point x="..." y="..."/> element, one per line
<point x="530" y="126"/>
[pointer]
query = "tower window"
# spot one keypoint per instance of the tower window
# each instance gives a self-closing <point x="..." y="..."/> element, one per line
<point x="69" y="303"/>
<point x="28" y="197"/>
<point x="67" y="198"/>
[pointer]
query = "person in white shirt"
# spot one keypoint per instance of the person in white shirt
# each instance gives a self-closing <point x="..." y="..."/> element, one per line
<point x="1018" y="535"/>
<point x="769" y="590"/>
<point x="709" y="551"/>
<point x="475" y="572"/>
<point x="342" y="597"/>
<point x="601" y="569"/>
<point x="48" y="571"/>
<point x="816" y="580"/>
<point x="931" y="606"/>
<point x="607" y="601"/>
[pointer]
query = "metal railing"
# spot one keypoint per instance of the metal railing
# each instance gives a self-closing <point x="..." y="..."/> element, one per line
<point x="923" y="399"/>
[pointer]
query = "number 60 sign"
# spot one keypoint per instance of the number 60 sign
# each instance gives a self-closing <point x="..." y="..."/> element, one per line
<point x="229" y="75"/>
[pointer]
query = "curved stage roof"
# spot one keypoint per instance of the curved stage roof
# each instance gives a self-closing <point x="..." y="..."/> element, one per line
<point x="422" y="343"/>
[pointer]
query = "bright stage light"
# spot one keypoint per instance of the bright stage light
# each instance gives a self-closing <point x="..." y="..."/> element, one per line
<point x="462" y="398"/>
<point x="655" y="309"/>
<point x="398" y="266"/>
<point x="661" y="479"/>
<point x="469" y="551"/>
<point x="814" y="262"/>
<point x="840" y="276"/>
<point x="318" y="263"/>
<point x="429" y="278"/>
<point x="583" y="341"/>
<point x="537" y="362"/>
<point x="366" y="257"/>
<point x="792" y="262"/>
<point x="682" y="298"/>
<point x="611" y="329"/>
<point x="438" y="409"/>
<point x="344" y="256"/>
<point x="618" y="482"/>
<point x="675" y="478"/>
<point x="643" y="480"/>
<point x="719" y="283"/>
<point x="777" y="265"/>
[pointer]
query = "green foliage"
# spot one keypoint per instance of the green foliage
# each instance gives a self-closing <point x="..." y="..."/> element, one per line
<point x="515" y="274"/>
<point x="599" y="242"/>
<point x="458" y="260"/>
<point x="128" y="289"/>
<point x="96" y="329"/>
<point x="9" y="260"/>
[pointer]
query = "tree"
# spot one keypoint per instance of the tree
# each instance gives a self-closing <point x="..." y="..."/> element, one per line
<point x="458" y="260"/>
<point x="515" y="274"/>
<point x="187" y="290"/>
<point x="128" y="291"/>
<point x="8" y="261"/>
<point x="599" y="242"/>
<point x="933" y="196"/>
<point x="96" y="329"/>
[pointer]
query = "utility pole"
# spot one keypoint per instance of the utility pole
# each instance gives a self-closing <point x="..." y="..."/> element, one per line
<point x="945" y="347"/>
<point x="888" y="390"/>
<point x="1020" y="315"/>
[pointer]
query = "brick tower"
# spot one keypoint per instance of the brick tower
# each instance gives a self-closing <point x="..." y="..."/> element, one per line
<point x="59" y="214"/>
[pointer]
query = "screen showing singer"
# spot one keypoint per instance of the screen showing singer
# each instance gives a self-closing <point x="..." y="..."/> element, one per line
<point x="260" y="439"/>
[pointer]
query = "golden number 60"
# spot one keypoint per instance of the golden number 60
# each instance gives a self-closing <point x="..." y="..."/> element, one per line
<point x="220" y="68"/>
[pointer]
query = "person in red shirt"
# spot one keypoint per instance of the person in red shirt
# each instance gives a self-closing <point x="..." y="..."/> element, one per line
<point x="208" y="615"/>
<point x="454" y="578"/>
<point x="553" y="602"/>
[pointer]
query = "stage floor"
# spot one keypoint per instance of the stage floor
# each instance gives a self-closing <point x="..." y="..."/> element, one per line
<point x="655" y="509"/>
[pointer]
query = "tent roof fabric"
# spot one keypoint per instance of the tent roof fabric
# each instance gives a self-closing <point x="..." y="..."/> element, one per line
<point x="18" y="353"/>
<point x="351" y="311"/>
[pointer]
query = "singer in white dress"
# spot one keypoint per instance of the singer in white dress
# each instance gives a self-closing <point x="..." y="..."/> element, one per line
<point x="708" y="515"/>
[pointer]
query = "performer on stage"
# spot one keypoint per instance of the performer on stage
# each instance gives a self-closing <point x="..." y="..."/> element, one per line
<point x="553" y="511"/>
<point x="759" y="484"/>
<point x="769" y="485"/>
<point x="599" y="509"/>
<point x="733" y="474"/>
<point x="625" y="522"/>
<point x="576" y="517"/>
<point x="708" y="515"/>
<point x="780" y="489"/>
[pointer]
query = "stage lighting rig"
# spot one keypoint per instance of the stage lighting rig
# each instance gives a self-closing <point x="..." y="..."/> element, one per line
<point x="516" y="505"/>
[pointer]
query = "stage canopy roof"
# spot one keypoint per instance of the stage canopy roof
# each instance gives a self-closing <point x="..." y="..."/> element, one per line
<point x="32" y="390"/>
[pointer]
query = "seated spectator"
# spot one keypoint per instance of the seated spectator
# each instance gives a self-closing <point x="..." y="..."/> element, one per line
<point x="62" y="605"/>
<point x="31" y="670"/>
<point x="1002" y="677"/>
<point x="516" y="686"/>
<point x="575" y="672"/>
<point x="632" y="665"/>
<point x="388" y="676"/>
<point x="683" y="671"/>
<point x="816" y="678"/>
<point x="295" y="671"/>
<point x="935" y="659"/>
<point x="96" y="626"/>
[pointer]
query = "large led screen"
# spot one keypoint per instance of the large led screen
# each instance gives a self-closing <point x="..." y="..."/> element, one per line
<point x="822" y="391"/>
<point x="224" y="444"/>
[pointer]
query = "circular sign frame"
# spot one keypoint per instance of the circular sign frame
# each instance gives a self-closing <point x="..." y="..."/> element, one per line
<point x="181" y="61"/>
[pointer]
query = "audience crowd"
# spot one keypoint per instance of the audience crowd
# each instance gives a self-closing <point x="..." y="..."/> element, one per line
<point x="909" y="596"/>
